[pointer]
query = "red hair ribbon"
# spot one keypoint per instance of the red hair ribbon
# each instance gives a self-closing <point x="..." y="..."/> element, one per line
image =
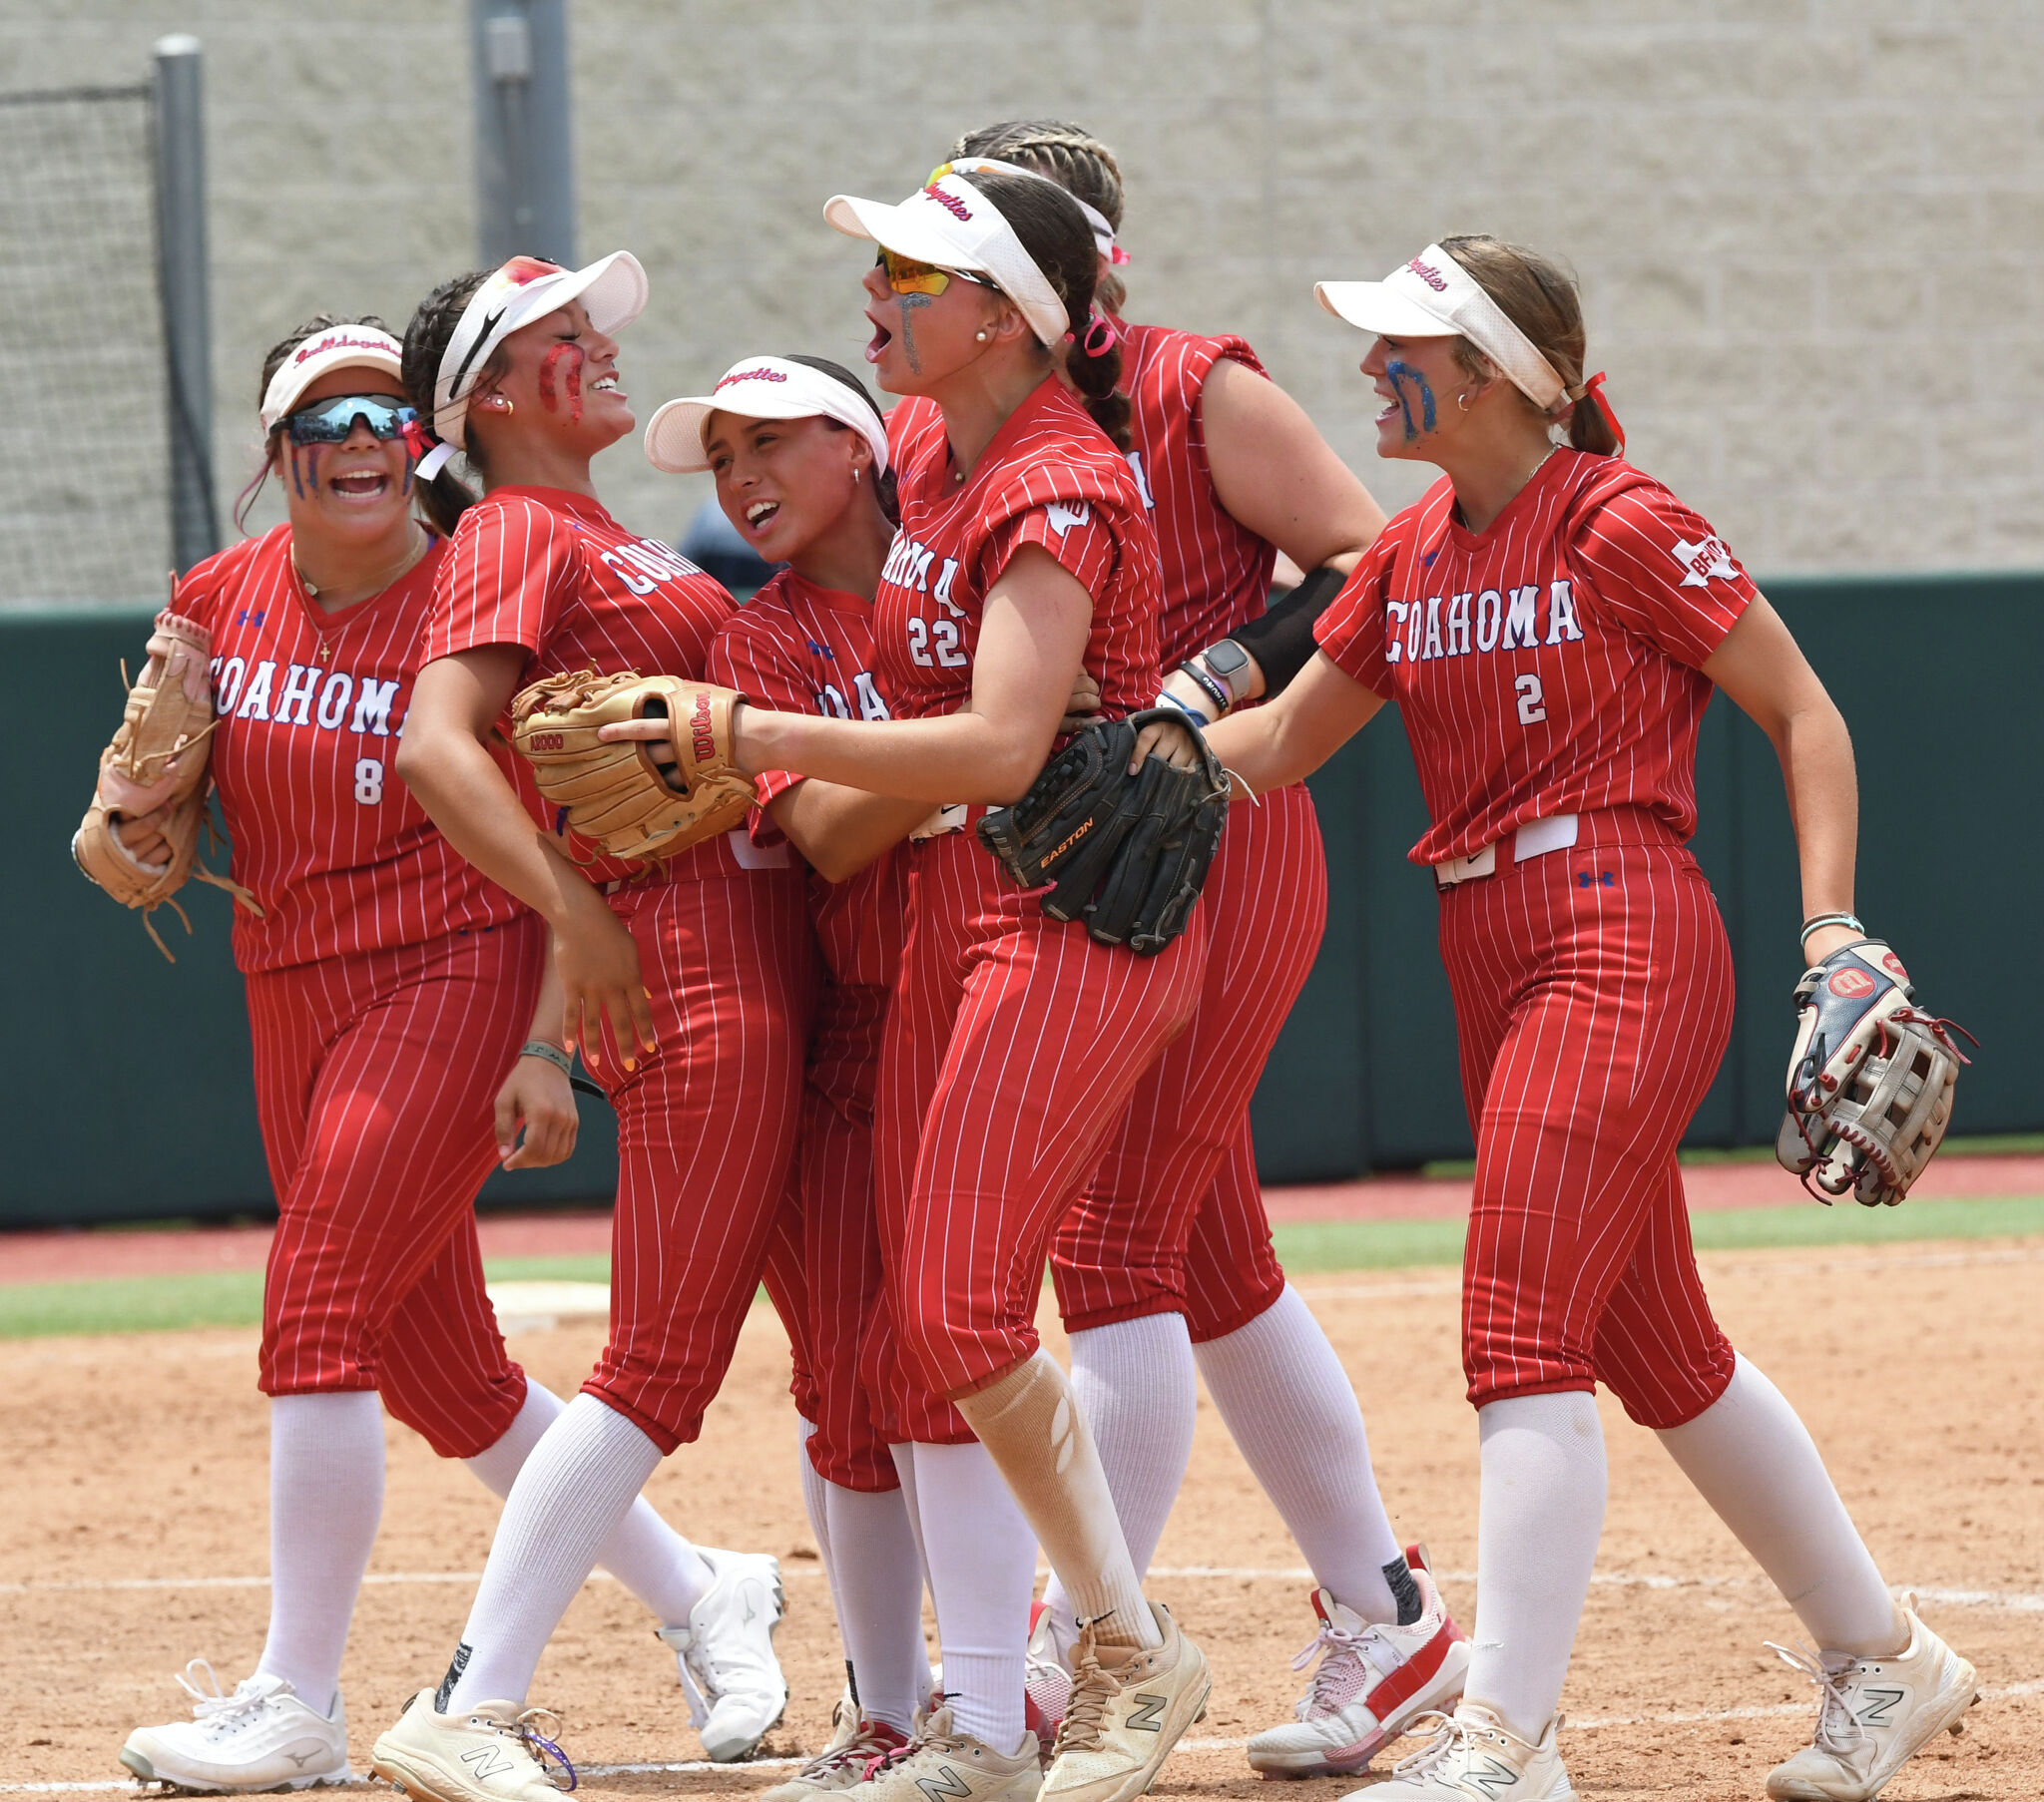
<point x="1592" y="391"/>
<point x="1101" y="335"/>
<point x="416" y="440"/>
<point x="1116" y="254"/>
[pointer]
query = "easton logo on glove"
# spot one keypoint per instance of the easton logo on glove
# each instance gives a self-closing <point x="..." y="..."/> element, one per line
<point x="1126" y="855"/>
<point x="1870" y="1081"/>
<point x="639" y="800"/>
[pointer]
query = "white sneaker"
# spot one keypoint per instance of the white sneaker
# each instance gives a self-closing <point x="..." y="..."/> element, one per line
<point x="260" y="1737"/>
<point x="492" y="1752"/>
<point x="1874" y="1715"/>
<point x="737" y="1695"/>
<point x="1125" y="1717"/>
<point x="1046" y="1683"/>
<point x="941" y="1764"/>
<point x="1372" y="1679"/>
<point x="843" y="1763"/>
<point x="1474" y="1757"/>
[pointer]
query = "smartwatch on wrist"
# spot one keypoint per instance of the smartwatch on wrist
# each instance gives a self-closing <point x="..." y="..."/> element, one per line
<point x="1229" y="664"/>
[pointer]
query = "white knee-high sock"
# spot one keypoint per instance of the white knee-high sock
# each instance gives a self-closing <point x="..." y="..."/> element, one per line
<point x="1538" y="1520"/>
<point x="645" y="1554"/>
<point x="1754" y="1463"/>
<point x="814" y="1488"/>
<point x="326" y="1499"/>
<point x="1293" y="1414"/>
<point x="876" y="1582"/>
<point x="905" y="1468"/>
<point x="576" y="1486"/>
<point x="1136" y="1382"/>
<point x="982" y="1560"/>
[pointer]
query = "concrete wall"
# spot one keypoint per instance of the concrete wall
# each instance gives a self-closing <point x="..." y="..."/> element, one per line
<point x="1810" y="232"/>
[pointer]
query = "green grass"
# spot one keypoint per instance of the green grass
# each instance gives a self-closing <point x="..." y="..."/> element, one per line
<point x="133" y="1304"/>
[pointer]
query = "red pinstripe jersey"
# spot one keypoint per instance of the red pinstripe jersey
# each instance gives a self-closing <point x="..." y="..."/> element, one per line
<point x="311" y="704"/>
<point x="801" y="649"/>
<point x="1051" y="478"/>
<point x="1550" y="664"/>
<point x="553" y="572"/>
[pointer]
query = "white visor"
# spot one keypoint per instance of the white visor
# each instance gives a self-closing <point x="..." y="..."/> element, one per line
<point x="613" y="289"/>
<point x="759" y="387"/>
<point x="1103" y="227"/>
<point x="1434" y="297"/>
<point x="342" y="347"/>
<point x="952" y="225"/>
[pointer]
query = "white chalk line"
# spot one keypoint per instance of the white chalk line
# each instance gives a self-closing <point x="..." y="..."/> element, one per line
<point x="1586" y="1723"/>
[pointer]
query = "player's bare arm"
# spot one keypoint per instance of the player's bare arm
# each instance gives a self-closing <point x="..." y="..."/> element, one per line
<point x="841" y="831"/>
<point x="1275" y="745"/>
<point x="537" y="1099"/>
<point x="444" y="760"/>
<point x="1762" y="668"/>
<point x="1031" y="640"/>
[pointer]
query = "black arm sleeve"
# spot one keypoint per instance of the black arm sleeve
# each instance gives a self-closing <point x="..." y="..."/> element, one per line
<point x="1282" y="638"/>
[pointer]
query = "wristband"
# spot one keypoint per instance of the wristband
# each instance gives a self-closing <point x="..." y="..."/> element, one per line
<point x="1207" y="687"/>
<point x="553" y="1053"/>
<point x="1816" y="922"/>
<point x="1228" y="664"/>
<point x="1166" y="698"/>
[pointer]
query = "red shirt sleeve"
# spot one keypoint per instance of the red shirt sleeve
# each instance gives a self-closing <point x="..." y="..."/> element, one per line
<point x="1351" y="630"/>
<point x="751" y="655"/>
<point x="1660" y="571"/>
<point x="1073" y="532"/>
<point x="508" y="574"/>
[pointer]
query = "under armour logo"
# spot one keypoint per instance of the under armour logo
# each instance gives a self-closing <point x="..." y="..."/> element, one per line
<point x="946" y="1782"/>
<point x="1149" y="1718"/>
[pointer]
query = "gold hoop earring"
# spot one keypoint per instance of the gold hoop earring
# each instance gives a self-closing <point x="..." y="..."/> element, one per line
<point x="1462" y="401"/>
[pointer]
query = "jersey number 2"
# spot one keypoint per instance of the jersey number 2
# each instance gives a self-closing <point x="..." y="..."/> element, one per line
<point x="943" y="633"/>
<point x="1532" y="701"/>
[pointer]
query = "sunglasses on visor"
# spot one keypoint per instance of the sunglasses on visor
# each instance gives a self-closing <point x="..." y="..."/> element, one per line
<point x="331" y="421"/>
<point x="907" y="276"/>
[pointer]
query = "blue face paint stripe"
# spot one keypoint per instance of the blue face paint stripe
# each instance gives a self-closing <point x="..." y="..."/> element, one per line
<point x="1398" y="374"/>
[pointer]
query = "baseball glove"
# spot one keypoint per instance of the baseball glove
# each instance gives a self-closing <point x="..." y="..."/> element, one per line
<point x="1871" y="1080"/>
<point x="639" y="800"/>
<point x="1124" y="855"/>
<point x="158" y="762"/>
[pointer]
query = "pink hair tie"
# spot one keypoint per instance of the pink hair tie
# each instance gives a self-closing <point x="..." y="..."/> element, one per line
<point x="1101" y="335"/>
<point x="1117" y="255"/>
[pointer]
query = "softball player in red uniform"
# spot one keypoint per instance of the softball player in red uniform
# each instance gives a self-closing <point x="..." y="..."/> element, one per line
<point x="389" y="988"/>
<point x="689" y="991"/>
<point x="1551" y="622"/>
<point x="800" y="455"/>
<point x="1168" y="1259"/>
<point x="1013" y="1044"/>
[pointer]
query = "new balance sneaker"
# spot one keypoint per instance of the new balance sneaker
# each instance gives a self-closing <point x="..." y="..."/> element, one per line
<point x="736" y="1692"/>
<point x="1046" y="1683"/>
<point x="1874" y="1715"/>
<point x="1127" y="1710"/>
<point x="856" y="1747"/>
<point x="492" y="1752"/>
<point x="942" y="1762"/>
<point x="1473" y="1756"/>
<point x="259" y="1737"/>
<point x="1371" y="1680"/>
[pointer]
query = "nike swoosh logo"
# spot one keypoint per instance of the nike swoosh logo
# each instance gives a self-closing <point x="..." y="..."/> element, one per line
<point x="482" y="338"/>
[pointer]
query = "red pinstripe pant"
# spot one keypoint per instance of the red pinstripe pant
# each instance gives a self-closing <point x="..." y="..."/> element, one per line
<point x="375" y="1080"/>
<point x="1593" y="998"/>
<point x="1012" y="1047"/>
<point x="1173" y="1221"/>
<point x="823" y="1267"/>
<point x="705" y="1129"/>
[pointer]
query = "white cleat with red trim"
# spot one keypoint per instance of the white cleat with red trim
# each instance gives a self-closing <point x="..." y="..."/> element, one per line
<point x="1372" y="1681"/>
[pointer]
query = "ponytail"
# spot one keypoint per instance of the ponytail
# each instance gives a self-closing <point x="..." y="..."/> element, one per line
<point x="447" y="497"/>
<point x="1098" y="380"/>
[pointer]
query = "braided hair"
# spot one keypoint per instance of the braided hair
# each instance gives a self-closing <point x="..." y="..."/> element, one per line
<point x="1073" y="157"/>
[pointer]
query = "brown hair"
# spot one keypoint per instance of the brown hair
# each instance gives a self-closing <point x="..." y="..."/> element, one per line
<point x="273" y="362"/>
<point x="884" y="486"/>
<point x="1539" y="297"/>
<point x="1060" y="242"/>
<point x="1072" y="157"/>
<point x="446" y="498"/>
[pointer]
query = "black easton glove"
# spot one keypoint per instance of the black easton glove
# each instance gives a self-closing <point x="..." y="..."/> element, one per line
<point x="1127" y="853"/>
<point x="1870" y="1081"/>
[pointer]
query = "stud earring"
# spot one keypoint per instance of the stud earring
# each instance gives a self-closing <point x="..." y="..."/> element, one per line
<point x="854" y="478"/>
<point x="981" y="335"/>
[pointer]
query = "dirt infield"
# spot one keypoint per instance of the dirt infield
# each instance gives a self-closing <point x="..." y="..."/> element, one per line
<point x="133" y="1523"/>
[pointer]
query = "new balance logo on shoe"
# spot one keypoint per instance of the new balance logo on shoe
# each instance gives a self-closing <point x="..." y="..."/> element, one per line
<point x="1149" y="1718"/>
<point x="1494" y="1780"/>
<point x="486" y="1762"/>
<point x="946" y="1782"/>
<point x="1879" y="1706"/>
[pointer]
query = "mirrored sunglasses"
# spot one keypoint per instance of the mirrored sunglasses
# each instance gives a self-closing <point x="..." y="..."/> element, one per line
<point x="907" y="276"/>
<point x="331" y="421"/>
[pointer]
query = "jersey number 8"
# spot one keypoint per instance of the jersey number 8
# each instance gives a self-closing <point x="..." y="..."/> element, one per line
<point x="368" y="780"/>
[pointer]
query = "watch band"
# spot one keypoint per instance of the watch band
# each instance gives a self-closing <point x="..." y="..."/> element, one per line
<point x="1233" y="676"/>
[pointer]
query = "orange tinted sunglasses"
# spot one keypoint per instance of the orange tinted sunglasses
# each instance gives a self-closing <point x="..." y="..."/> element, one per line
<point x="907" y="276"/>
